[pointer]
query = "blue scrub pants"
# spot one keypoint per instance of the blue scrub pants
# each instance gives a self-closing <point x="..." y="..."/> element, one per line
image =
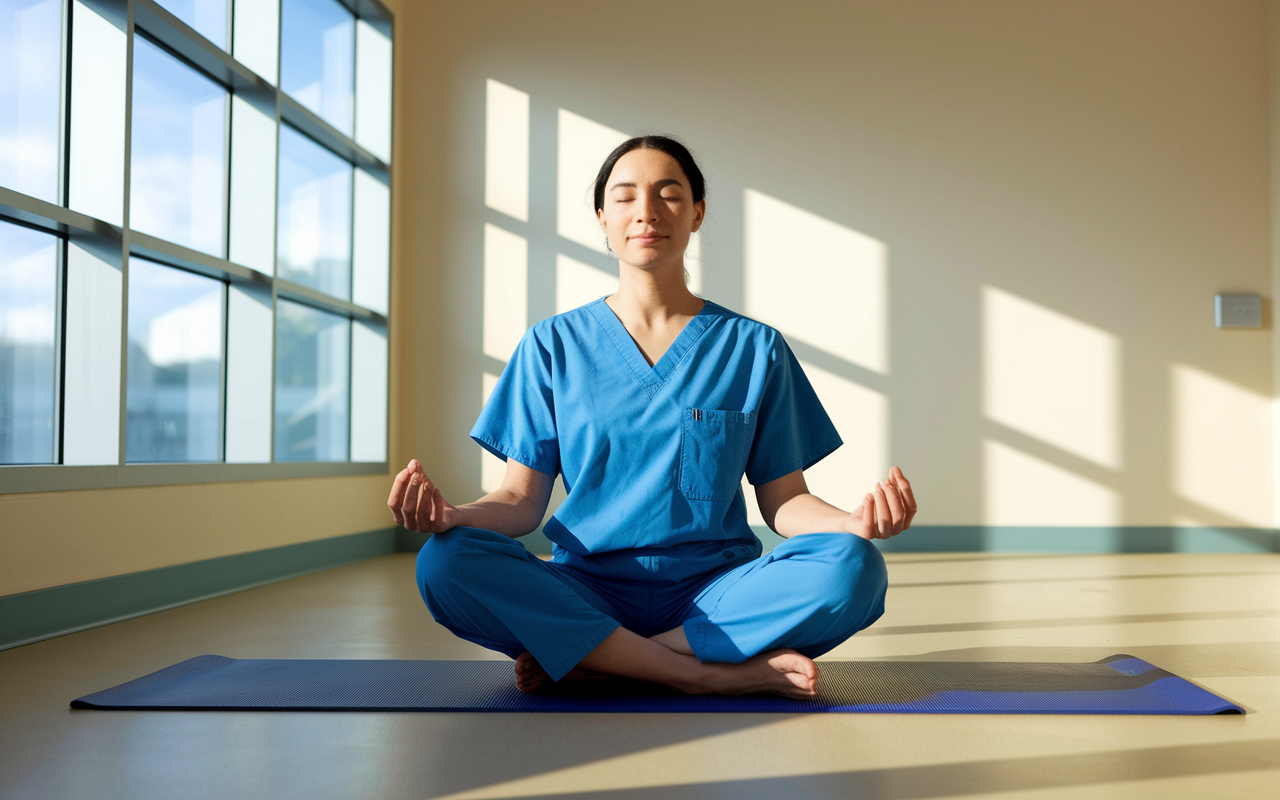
<point x="810" y="593"/>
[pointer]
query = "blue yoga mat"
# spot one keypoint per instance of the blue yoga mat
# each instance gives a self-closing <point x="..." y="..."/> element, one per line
<point x="1116" y="685"/>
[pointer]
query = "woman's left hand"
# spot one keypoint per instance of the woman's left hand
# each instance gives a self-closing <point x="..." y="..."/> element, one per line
<point x="886" y="511"/>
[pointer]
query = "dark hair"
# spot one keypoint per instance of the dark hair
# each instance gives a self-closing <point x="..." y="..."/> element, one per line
<point x="664" y="144"/>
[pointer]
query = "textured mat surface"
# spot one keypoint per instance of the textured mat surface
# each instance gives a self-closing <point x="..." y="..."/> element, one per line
<point x="1116" y="685"/>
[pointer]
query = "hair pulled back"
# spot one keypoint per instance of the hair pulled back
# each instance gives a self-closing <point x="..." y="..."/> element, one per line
<point x="663" y="144"/>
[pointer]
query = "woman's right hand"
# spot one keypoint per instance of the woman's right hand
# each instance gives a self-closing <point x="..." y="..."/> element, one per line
<point x="417" y="504"/>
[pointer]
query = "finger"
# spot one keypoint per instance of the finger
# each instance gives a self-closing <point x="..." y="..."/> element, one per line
<point x="425" y="493"/>
<point x="437" y="511"/>
<point x="408" y="504"/>
<point x="428" y="513"/>
<point x="897" y="508"/>
<point x="396" y="498"/>
<point x="904" y="486"/>
<point x="868" y="520"/>
<point x="883" y="516"/>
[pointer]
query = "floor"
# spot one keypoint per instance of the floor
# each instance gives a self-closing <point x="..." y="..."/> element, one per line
<point x="1214" y="619"/>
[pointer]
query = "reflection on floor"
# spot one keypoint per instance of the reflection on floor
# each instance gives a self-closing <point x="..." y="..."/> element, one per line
<point x="1214" y="619"/>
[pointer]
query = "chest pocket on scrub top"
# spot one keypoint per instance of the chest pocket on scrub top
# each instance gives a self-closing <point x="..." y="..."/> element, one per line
<point x="713" y="452"/>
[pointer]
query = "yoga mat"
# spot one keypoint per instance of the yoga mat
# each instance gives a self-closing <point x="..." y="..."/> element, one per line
<point x="1116" y="685"/>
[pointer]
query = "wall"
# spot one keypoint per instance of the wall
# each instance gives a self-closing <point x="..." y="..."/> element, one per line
<point x="55" y="538"/>
<point x="1009" y="218"/>
<point x="992" y="229"/>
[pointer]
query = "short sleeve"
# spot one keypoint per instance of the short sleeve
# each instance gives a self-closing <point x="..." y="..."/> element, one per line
<point x="793" y="430"/>
<point x="519" y="420"/>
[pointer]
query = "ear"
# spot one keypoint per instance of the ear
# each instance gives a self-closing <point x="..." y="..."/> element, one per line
<point x="604" y="226"/>
<point x="699" y="214"/>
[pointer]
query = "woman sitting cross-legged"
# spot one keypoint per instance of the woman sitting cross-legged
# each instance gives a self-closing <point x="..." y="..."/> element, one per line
<point x="652" y="404"/>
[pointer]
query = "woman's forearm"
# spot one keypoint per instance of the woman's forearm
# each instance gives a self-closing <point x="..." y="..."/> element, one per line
<point x="806" y="513"/>
<point x="503" y="512"/>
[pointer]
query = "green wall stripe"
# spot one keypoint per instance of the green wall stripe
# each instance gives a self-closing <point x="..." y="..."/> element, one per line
<point x="1081" y="539"/>
<point x="31" y="616"/>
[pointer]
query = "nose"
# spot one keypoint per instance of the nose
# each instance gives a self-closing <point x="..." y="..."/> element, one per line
<point x="647" y="208"/>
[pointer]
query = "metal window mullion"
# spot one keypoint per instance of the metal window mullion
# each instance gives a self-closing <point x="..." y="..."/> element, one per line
<point x="124" y="236"/>
<point x="275" y="232"/>
<point x="231" y="28"/>
<point x="64" y="110"/>
<point x="351" y="257"/>
<point x="222" y="373"/>
<point x="226" y="254"/>
<point x="59" y="340"/>
<point x="391" y="245"/>
<point x="63" y="193"/>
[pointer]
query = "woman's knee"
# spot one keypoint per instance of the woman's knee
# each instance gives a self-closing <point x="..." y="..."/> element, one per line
<point x="450" y="558"/>
<point x="855" y="579"/>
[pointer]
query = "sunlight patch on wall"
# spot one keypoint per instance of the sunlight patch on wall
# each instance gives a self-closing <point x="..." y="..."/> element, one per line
<point x="1019" y="489"/>
<point x="578" y="284"/>
<point x="582" y="146"/>
<point x="506" y="291"/>
<point x="492" y="468"/>
<point x="1221" y="459"/>
<point x="506" y="150"/>
<point x="1051" y="377"/>
<point x="862" y="418"/>
<point x="693" y="263"/>
<point x="817" y="281"/>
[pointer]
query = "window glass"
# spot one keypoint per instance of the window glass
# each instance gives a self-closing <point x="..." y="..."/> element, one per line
<point x="207" y="17"/>
<point x="314" y="238"/>
<point x="174" y="397"/>
<point x="178" y="166"/>
<point x="28" y="277"/>
<point x="317" y="59"/>
<point x="30" y="68"/>
<point x="313" y="356"/>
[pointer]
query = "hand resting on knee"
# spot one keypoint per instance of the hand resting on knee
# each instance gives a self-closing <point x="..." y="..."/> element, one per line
<point x="515" y="509"/>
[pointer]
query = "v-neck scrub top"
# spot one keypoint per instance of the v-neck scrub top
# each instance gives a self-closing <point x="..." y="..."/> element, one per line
<point x="652" y="458"/>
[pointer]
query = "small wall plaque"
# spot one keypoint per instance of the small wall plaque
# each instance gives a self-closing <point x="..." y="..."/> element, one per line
<point x="1237" y="311"/>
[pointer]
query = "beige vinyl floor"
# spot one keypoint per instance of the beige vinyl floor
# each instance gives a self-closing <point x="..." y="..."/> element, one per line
<point x="1214" y="619"/>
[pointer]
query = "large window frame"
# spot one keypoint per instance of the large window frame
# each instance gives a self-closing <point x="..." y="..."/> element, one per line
<point x="148" y="18"/>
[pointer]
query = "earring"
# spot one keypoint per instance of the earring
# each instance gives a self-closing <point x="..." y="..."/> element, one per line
<point x="607" y="247"/>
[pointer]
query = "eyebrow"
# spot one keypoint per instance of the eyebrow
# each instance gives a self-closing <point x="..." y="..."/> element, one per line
<point x="660" y="184"/>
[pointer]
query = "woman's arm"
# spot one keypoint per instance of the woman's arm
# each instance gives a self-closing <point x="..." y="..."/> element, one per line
<point x="789" y="510"/>
<point x="513" y="510"/>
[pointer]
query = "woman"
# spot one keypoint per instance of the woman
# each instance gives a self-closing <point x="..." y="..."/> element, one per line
<point x="652" y="404"/>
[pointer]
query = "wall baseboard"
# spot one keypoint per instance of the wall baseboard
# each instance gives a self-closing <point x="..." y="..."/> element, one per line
<point x="45" y="613"/>
<point x="1081" y="539"/>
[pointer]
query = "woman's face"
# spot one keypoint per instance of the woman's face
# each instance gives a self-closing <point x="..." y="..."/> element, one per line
<point x="649" y="211"/>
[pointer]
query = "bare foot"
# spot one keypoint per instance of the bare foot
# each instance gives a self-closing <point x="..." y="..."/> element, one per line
<point x="784" y="672"/>
<point x="531" y="678"/>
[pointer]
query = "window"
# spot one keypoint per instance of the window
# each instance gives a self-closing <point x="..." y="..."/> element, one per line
<point x="194" y="258"/>
<point x="31" y="61"/>
<point x="206" y="17"/>
<point x="174" y="409"/>
<point x="314" y="228"/>
<point x="177" y="159"/>
<point x="313" y="358"/>
<point x="28" y="273"/>
<point x="317" y="64"/>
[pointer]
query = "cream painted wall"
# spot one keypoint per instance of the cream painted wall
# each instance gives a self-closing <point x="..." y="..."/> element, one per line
<point x="1050" y="193"/>
<point x="1065" y="181"/>
<point x="55" y="538"/>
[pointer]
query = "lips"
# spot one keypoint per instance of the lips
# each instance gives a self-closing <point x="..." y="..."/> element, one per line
<point x="647" y="238"/>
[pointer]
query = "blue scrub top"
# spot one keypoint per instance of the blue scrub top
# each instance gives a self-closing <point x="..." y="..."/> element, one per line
<point x="652" y="458"/>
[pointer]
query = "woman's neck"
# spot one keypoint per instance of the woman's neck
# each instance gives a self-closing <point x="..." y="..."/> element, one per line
<point x="653" y="297"/>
